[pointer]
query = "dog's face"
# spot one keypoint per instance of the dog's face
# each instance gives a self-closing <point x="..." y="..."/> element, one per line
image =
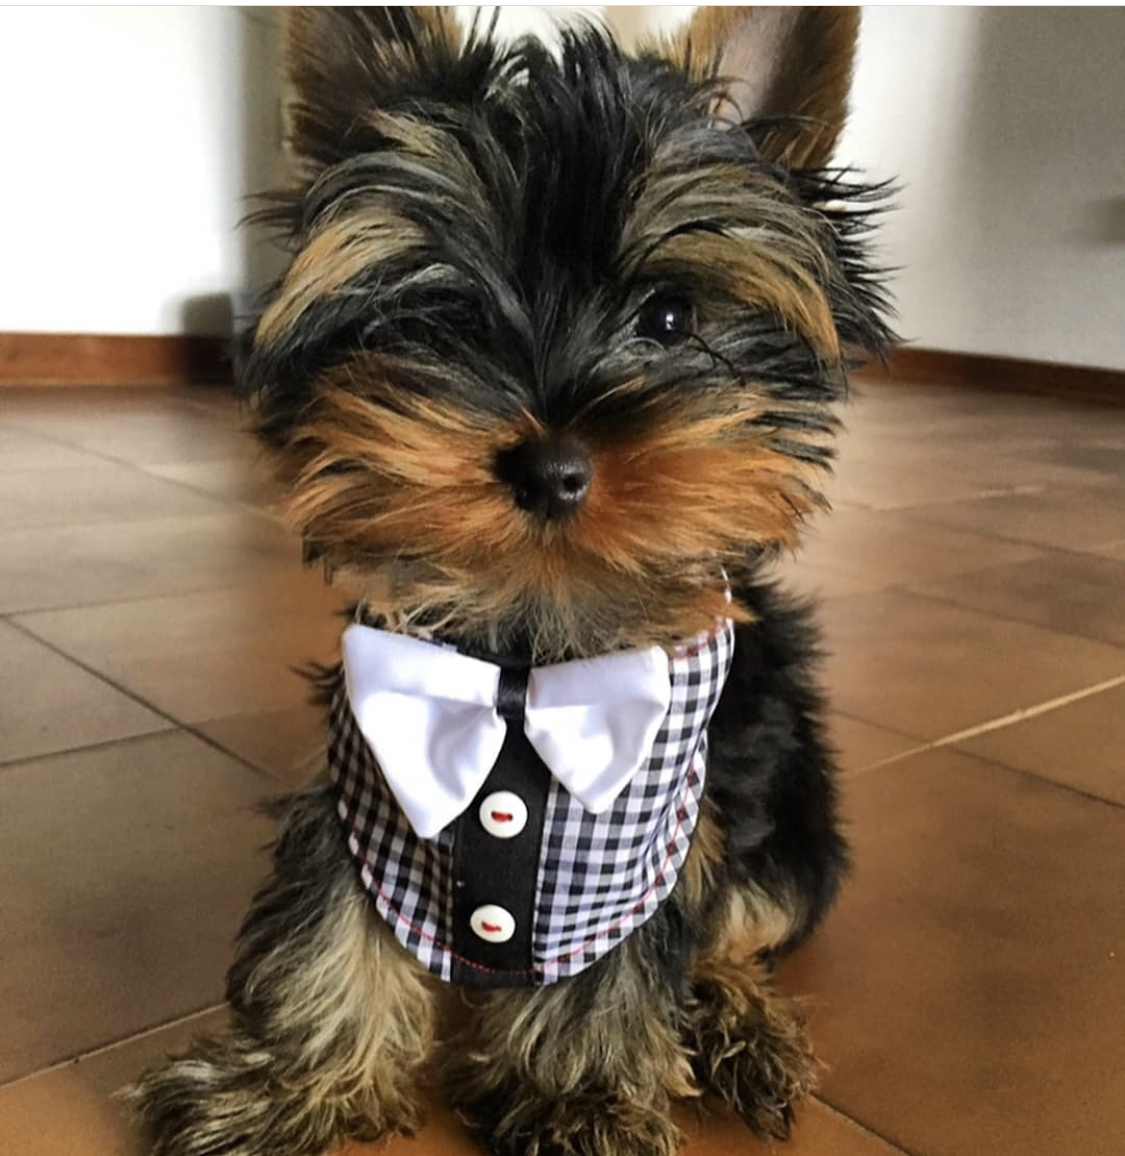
<point x="560" y="337"/>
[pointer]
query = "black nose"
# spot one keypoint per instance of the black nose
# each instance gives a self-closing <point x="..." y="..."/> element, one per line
<point x="549" y="479"/>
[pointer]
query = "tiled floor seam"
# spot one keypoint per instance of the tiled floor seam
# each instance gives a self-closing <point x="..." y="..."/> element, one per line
<point x="27" y="611"/>
<point x="1011" y="719"/>
<point x="174" y="722"/>
<point x="101" y="1049"/>
<point x="917" y="592"/>
<point x="1089" y="796"/>
<point x="42" y="756"/>
<point x="140" y="468"/>
<point x="952" y="741"/>
<point x="865" y="1129"/>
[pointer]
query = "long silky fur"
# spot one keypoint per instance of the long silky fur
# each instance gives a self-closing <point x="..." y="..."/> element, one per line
<point x="474" y="229"/>
<point x="331" y="1019"/>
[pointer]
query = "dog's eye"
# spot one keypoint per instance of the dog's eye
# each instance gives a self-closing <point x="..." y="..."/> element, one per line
<point x="665" y="317"/>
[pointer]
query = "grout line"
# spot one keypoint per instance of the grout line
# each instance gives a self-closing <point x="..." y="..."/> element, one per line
<point x="148" y="470"/>
<point x="20" y="760"/>
<point x="886" y="762"/>
<point x="859" y="1126"/>
<point x="1000" y="616"/>
<point x="1046" y="780"/>
<point x="1031" y="711"/>
<point x="79" y="1057"/>
<point x="1007" y="720"/>
<point x="156" y="595"/>
<point x="189" y="728"/>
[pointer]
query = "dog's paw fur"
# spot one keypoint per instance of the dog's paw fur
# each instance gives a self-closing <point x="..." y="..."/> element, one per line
<point x="755" y="1056"/>
<point x="230" y="1097"/>
<point x="595" y="1122"/>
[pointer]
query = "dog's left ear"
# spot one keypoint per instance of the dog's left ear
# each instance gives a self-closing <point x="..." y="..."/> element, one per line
<point x="345" y="64"/>
<point x="789" y="69"/>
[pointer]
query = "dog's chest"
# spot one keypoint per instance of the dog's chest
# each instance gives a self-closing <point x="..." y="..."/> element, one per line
<point x="526" y="886"/>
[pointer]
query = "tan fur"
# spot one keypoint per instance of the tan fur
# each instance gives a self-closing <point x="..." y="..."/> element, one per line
<point x="708" y="849"/>
<point x="329" y="52"/>
<point x="749" y="1042"/>
<point x="338" y="253"/>
<point x="364" y="988"/>
<point x="331" y="1019"/>
<point x="786" y="62"/>
<point x="572" y="1069"/>
<point x="767" y="257"/>
<point x="409" y="491"/>
<point x="754" y="922"/>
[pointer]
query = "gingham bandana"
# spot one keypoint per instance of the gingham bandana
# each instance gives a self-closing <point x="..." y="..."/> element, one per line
<point x="596" y="877"/>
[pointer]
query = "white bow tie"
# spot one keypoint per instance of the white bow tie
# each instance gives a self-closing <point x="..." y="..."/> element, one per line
<point x="429" y="715"/>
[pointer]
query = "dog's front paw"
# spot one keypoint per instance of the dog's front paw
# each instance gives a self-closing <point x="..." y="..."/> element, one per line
<point x="229" y="1097"/>
<point x="755" y="1056"/>
<point x="520" y="1122"/>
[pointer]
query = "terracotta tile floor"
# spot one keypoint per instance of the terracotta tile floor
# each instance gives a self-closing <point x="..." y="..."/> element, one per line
<point x="968" y="994"/>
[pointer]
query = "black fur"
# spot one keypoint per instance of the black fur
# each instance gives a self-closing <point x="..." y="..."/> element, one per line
<point x="511" y="248"/>
<point x="525" y="285"/>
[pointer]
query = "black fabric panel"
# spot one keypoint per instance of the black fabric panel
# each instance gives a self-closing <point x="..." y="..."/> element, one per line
<point x="501" y="871"/>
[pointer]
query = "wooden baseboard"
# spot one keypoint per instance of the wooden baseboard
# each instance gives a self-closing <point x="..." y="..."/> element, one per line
<point x="126" y="359"/>
<point x="112" y="359"/>
<point x="1012" y="374"/>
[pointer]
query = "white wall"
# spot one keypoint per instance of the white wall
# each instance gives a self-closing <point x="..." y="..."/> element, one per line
<point x="1006" y="127"/>
<point x="129" y="137"/>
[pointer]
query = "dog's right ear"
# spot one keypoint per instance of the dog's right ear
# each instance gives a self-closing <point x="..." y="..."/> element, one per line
<point x="344" y="64"/>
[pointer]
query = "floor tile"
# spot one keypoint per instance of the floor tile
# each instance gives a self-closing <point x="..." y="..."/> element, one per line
<point x="966" y="995"/>
<point x="1106" y="455"/>
<point x="888" y="548"/>
<point x="57" y="566"/>
<point x="944" y="416"/>
<point x="1081" y="745"/>
<point x="818" y="583"/>
<point x="1114" y="550"/>
<point x="71" y="1110"/>
<point x="104" y="492"/>
<point x="1075" y="593"/>
<point x="59" y="405"/>
<point x="881" y="485"/>
<point x="209" y="655"/>
<point x="242" y="479"/>
<point x="287" y="743"/>
<point x="860" y="745"/>
<point x="49" y="704"/>
<point x="820" y="1131"/>
<point x="1067" y="518"/>
<point x="138" y="426"/>
<point x="23" y="450"/>
<point x="136" y="862"/>
<point x="926" y="668"/>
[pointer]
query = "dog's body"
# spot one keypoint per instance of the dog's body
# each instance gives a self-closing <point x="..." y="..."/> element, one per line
<point x="551" y="371"/>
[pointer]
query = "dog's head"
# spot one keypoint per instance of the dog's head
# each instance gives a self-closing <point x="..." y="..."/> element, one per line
<point x="561" y="333"/>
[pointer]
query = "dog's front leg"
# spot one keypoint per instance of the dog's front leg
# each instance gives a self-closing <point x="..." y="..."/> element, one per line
<point x="748" y="1041"/>
<point x="584" y="1067"/>
<point x="331" y="1019"/>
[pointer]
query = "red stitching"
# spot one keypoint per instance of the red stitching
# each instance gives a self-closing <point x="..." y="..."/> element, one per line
<point x="681" y="814"/>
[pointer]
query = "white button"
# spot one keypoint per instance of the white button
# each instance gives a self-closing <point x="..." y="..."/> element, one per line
<point x="503" y="814"/>
<point x="493" y="924"/>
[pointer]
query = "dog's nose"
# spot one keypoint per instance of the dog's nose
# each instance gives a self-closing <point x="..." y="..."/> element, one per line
<point x="549" y="479"/>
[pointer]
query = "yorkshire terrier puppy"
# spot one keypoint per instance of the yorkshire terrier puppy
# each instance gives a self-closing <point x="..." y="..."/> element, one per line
<point x="551" y="374"/>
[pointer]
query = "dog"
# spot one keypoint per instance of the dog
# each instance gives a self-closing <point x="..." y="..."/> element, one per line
<point x="552" y="374"/>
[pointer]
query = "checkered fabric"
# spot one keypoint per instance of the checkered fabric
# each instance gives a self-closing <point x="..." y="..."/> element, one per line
<point x="600" y="876"/>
